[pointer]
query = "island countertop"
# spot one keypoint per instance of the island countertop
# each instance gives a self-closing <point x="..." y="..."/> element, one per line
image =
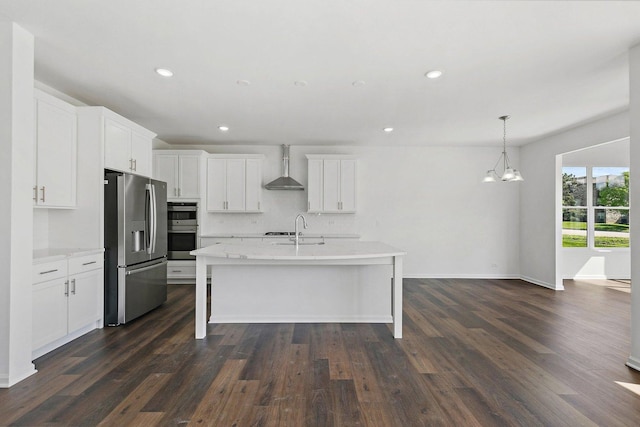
<point x="287" y="251"/>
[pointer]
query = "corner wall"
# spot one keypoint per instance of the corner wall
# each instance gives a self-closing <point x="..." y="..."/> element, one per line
<point x="16" y="211"/>
<point x="538" y="217"/>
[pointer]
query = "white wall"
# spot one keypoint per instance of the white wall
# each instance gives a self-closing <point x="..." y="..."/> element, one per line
<point x="428" y="201"/>
<point x="634" y="182"/>
<point x="16" y="179"/>
<point x="541" y="165"/>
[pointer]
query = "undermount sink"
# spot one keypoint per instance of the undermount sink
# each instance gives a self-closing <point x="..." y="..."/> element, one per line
<point x="299" y="244"/>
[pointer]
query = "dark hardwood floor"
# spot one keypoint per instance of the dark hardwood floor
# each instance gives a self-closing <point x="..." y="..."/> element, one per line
<point x="474" y="352"/>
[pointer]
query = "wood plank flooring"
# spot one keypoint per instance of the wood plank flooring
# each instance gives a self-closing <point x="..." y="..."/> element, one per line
<point x="474" y="353"/>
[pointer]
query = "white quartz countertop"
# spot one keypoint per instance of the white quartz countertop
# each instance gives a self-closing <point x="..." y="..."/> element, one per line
<point x="56" y="254"/>
<point x="338" y="250"/>
<point x="262" y="235"/>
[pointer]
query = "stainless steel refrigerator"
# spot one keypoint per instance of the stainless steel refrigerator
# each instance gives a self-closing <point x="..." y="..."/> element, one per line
<point x="135" y="236"/>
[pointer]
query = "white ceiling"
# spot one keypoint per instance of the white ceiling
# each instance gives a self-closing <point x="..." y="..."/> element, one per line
<point x="550" y="65"/>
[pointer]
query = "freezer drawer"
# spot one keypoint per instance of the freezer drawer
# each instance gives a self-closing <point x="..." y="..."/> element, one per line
<point x="141" y="288"/>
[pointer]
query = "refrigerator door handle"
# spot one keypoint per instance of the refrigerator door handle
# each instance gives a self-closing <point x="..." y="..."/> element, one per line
<point x="154" y="218"/>
<point x="148" y="225"/>
<point x="143" y="269"/>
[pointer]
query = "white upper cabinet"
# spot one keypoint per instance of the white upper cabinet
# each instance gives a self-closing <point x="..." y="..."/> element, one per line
<point x="181" y="172"/>
<point x="127" y="146"/>
<point x="54" y="180"/>
<point x="332" y="184"/>
<point x="234" y="183"/>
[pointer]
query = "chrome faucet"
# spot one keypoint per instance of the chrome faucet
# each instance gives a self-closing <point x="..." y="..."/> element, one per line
<point x="304" y="224"/>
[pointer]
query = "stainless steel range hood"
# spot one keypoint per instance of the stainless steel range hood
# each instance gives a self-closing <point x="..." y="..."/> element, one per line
<point x="285" y="182"/>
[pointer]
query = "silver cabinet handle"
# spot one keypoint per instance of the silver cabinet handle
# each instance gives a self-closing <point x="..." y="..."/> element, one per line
<point x="88" y="263"/>
<point x="35" y="193"/>
<point x="176" y="271"/>
<point x="258" y="205"/>
<point x="131" y="164"/>
<point x="179" y="192"/>
<point x="73" y="286"/>
<point x="66" y="288"/>
<point x="43" y="194"/>
<point x="175" y="192"/>
<point x="48" y="271"/>
<point x="135" y="164"/>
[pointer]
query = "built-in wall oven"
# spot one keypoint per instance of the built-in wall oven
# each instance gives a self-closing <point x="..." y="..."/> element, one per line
<point x="182" y="230"/>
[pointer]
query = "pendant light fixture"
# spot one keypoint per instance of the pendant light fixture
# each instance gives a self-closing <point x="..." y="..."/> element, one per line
<point x="508" y="173"/>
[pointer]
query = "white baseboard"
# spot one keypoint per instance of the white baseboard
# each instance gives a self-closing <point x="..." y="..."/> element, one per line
<point x="633" y="363"/>
<point x="595" y="277"/>
<point x="65" y="340"/>
<point x="541" y="283"/>
<point x="7" y="381"/>
<point x="460" y="276"/>
<point x="301" y="319"/>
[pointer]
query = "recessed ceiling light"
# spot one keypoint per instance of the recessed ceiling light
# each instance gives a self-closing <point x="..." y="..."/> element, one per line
<point x="243" y="82"/>
<point x="164" y="72"/>
<point x="300" y="83"/>
<point x="358" y="83"/>
<point x="389" y="129"/>
<point x="223" y="128"/>
<point x="433" y="74"/>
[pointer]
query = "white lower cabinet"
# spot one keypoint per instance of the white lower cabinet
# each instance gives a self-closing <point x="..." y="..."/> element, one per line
<point x="67" y="301"/>
<point x="49" y="312"/>
<point x="179" y="272"/>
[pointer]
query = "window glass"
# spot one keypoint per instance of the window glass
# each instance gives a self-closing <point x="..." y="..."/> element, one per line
<point x="574" y="220"/>
<point x="574" y="186"/>
<point x="574" y="227"/>
<point x="610" y="186"/>
<point x="611" y="228"/>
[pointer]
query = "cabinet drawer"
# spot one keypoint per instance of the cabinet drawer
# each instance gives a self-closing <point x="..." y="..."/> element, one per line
<point x="85" y="263"/>
<point x="49" y="271"/>
<point x="181" y="271"/>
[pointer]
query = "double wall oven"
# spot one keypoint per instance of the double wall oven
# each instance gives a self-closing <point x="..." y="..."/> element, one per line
<point x="182" y="230"/>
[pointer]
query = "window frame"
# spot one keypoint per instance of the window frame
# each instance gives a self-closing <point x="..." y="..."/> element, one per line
<point x="591" y="216"/>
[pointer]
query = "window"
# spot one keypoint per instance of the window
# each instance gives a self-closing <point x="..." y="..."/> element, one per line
<point x="598" y="218"/>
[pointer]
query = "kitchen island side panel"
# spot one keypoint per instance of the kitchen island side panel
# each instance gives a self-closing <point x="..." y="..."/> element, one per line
<point x="301" y="293"/>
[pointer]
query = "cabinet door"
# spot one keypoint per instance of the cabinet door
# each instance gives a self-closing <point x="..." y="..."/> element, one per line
<point x="253" y="188"/>
<point x="236" y="184"/>
<point x="348" y="185"/>
<point x="216" y="184"/>
<point x="141" y="154"/>
<point x="49" y="312"/>
<point x="331" y="185"/>
<point x="117" y="146"/>
<point x="55" y="154"/>
<point x="84" y="299"/>
<point x="314" y="186"/>
<point x="189" y="180"/>
<point x="165" y="169"/>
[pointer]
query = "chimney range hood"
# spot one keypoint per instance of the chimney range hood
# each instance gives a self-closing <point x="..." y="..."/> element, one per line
<point x="285" y="182"/>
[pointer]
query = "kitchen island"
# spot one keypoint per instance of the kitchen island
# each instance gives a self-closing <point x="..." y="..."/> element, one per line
<point x="279" y="282"/>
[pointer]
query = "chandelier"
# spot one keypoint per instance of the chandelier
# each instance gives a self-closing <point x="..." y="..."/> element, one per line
<point x="508" y="173"/>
